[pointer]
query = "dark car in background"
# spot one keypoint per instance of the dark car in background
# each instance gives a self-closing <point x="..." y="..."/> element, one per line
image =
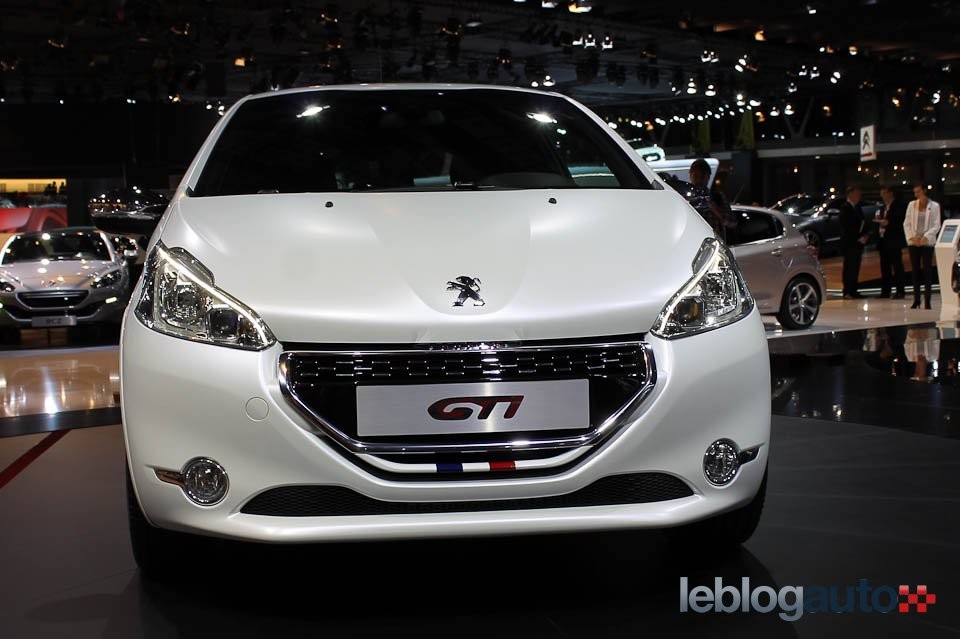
<point x="818" y="218"/>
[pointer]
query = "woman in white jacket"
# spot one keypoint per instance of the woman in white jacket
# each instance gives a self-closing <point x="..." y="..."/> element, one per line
<point x="921" y="225"/>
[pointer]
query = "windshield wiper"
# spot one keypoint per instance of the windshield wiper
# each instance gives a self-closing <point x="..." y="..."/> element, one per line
<point x="475" y="186"/>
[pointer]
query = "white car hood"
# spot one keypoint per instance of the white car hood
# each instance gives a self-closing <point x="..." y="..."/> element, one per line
<point x="373" y="267"/>
<point x="55" y="274"/>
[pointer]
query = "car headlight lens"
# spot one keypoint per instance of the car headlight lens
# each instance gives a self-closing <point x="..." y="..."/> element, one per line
<point x="7" y="287"/>
<point x="178" y="298"/>
<point x="108" y="279"/>
<point x="715" y="296"/>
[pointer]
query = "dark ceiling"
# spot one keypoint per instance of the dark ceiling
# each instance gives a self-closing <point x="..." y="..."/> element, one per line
<point x="195" y="50"/>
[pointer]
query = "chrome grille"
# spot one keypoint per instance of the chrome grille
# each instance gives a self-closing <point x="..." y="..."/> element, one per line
<point x="321" y="385"/>
<point x="52" y="299"/>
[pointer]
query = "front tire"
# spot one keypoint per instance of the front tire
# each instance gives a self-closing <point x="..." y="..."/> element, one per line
<point x="725" y="531"/>
<point x="800" y="304"/>
<point x="158" y="552"/>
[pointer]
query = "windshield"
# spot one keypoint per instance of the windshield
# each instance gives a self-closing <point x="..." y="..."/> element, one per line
<point x="56" y="245"/>
<point x="797" y="205"/>
<point x="413" y="140"/>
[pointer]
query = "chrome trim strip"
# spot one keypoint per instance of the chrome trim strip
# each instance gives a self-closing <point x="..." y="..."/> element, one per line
<point x="174" y="477"/>
<point x="607" y="428"/>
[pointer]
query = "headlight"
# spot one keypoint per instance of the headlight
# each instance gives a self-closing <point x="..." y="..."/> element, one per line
<point x="108" y="279"/>
<point x="7" y="287"/>
<point x="179" y="298"/>
<point x="715" y="296"/>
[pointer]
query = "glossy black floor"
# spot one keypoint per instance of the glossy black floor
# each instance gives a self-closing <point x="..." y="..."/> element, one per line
<point x="863" y="486"/>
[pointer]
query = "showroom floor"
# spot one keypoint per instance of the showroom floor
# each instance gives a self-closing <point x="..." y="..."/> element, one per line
<point x="863" y="482"/>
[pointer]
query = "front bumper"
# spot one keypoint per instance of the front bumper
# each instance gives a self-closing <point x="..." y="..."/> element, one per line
<point x="100" y="305"/>
<point x="183" y="400"/>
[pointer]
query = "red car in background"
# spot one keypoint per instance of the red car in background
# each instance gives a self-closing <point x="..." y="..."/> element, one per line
<point x="26" y="219"/>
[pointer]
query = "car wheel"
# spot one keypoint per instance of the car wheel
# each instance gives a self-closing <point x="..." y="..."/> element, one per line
<point x="814" y="239"/>
<point x="728" y="530"/>
<point x="800" y="304"/>
<point x="157" y="552"/>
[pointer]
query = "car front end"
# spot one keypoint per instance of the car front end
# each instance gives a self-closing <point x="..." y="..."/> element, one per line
<point x="42" y="286"/>
<point x="483" y="358"/>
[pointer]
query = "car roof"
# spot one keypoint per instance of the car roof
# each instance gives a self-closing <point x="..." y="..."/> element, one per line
<point x="408" y="86"/>
<point x="63" y="229"/>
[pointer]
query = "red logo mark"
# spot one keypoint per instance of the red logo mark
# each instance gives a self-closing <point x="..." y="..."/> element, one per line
<point x="921" y="599"/>
<point x="444" y="409"/>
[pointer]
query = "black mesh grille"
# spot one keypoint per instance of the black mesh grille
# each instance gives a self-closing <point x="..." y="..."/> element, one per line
<point x="328" y="501"/>
<point x="52" y="299"/>
<point x="445" y="366"/>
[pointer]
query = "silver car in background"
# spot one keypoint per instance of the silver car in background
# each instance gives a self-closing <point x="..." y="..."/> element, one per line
<point x="61" y="277"/>
<point x="781" y="270"/>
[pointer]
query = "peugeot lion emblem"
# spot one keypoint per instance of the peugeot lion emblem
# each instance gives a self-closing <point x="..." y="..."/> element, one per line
<point x="469" y="289"/>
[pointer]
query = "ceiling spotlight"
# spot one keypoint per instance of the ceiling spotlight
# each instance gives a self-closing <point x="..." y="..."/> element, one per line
<point x="759" y="35"/>
<point x="691" y="86"/>
<point x="792" y="87"/>
<point x="935" y="98"/>
<point x="852" y="49"/>
<point x="754" y="102"/>
<point x="835" y="77"/>
<point x="741" y="100"/>
<point x="788" y="110"/>
<point x="549" y="4"/>
<point x="814" y="72"/>
<point x="607" y="42"/>
<point x="811" y="10"/>
<point x="577" y="39"/>
<point x="590" y="41"/>
<point x="474" y="21"/>
<point x="774" y="111"/>
<point x="705" y="56"/>
<point x="745" y="63"/>
<point x="711" y="90"/>
<point x="580" y="6"/>
<point x="803" y="72"/>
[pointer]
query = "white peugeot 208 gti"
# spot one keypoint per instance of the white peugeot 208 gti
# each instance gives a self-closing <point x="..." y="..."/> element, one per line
<point x="385" y="312"/>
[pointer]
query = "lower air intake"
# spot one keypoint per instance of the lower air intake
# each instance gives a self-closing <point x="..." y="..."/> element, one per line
<point x="332" y="501"/>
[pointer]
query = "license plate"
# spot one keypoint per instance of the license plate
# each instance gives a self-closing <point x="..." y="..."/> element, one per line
<point x="482" y="407"/>
<point x="51" y="321"/>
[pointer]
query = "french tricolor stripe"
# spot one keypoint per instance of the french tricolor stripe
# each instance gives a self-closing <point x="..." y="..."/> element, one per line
<point x="477" y="467"/>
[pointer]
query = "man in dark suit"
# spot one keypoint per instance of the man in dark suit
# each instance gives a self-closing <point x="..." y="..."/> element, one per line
<point x="891" y="243"/>
<point x="853" y="237"/>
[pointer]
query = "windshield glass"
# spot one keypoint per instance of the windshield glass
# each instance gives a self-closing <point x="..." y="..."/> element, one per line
<point x="796" y="205"/>
<point x="56" y="245"/>
<point x="413" y="140"/>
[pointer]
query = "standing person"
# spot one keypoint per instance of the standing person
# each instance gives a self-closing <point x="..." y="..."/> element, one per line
<point x="921" y="225"/>
<point x="712" y="205"/>
<point x="852" y="240"/>
<point x="891" y="243"/>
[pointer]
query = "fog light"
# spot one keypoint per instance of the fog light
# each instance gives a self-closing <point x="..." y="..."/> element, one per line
<point x="721" y="462"/>
<point x="204" y="481"/>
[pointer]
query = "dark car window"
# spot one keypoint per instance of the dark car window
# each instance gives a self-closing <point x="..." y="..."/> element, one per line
<point x="414" y="140"/>
<point x="753" y="226"/>
<point x="56" y="245"/>
<point x="797" y="205"/>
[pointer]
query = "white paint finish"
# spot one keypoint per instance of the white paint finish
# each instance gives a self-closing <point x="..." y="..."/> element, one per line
<point x="374" y="267"/>
<point x="691" y="406"/>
